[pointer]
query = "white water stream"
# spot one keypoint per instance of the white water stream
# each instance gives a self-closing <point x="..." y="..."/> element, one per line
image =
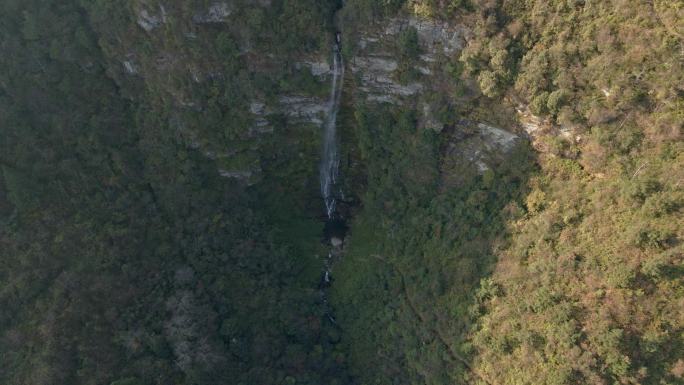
<point x="330" y="161"/>
<point x="330" y="164"/>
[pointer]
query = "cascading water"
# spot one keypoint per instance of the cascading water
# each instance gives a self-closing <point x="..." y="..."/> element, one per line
<point x="329" y="173"/>
<point x="330" y="161"/>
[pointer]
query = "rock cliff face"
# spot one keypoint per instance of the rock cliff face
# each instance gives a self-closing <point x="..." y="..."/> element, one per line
<point x="179" y="54"/>
<point x="376" y="64"/>
<point x="482" y="146"/>
<point x="215" y="13"/>
<point x="151" y="19"/>
<point x="265" y="113"/>
<point x="376" y="61"/>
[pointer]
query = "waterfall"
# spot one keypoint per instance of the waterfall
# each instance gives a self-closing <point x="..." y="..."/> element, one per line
<point x="330" y="160"/>
<point x="329" y="170"/>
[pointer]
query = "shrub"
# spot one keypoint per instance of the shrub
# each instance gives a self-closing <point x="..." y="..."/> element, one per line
<point x="409" y="48"/>
<point x="539" y="105"/>
<point x="489" y="83"/>
<point x="555" y="100"/>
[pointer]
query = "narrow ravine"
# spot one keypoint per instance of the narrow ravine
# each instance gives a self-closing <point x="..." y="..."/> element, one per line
<point x="329" y="174"/>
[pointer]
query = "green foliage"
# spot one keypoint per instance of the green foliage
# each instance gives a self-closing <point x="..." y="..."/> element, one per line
<point x="408" y="52"/>
<point x="417" y="253"/>
<point x="226" y="46"/>
<point x="408" y="44"/>
<point x="583" y="56"/>
<point x="489" y="83"/>
<point x="587" y="285"/>
<point x="594" y="246"/>
<point x="126" y="258"/>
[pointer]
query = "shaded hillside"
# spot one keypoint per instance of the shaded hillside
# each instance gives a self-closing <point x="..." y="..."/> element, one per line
<point x="126" y="258"/>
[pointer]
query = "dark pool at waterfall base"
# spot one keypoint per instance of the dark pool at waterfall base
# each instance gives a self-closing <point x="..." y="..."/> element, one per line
<point x="335" y="230"/>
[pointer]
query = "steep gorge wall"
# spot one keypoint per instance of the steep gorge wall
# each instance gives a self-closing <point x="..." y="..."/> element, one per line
<point x="516" y="257"/>
<point x="441" y="162"/>
<point x="154" y="268"/>
<point x="228" y="82"/>
<point x="428" y="80"/>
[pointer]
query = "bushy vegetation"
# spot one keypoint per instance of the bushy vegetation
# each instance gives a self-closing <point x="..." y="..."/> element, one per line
<point x="124" y="257"/>
<point x="583" y="63"/>
<point x="590" y="289"/>
<point x="572" y="274"/>
<point x="579" y="297"/>
<point x="418" y="250"/>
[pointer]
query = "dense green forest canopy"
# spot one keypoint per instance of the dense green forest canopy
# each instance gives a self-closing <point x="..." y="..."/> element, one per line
<point x="569" y="272"/>
<point x="149" y="235"/>
<point x="126" y="258"/>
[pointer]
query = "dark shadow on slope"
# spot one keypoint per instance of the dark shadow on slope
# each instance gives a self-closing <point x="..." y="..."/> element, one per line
<point x="435" y="211"/>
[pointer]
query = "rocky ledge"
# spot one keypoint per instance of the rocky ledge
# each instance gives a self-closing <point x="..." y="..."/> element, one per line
<point x="376" y="61"/>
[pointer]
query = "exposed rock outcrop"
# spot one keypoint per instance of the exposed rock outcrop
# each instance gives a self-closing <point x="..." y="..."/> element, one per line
<point x="149" y="21"/>
<point x="481" y="145"/>
<point x="495" y="138"/>
<point x="299" y="109"/>
<point x="377" y="79"/>
<point x="376" y="67"/>
<point x="317" y="68"/>
<point x="303" y="109"/>
<point x="434" y="36"/>
<point x="130" y="67"/>
<point x="216" y="13"/>
<point x="376" y="63"/>
<point x="237" y="174"/>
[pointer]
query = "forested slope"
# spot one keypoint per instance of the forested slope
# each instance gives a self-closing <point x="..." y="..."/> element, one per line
<point x="563" y="264"/>
<point x="125" y="257"/>
<point x="519" y="167"/>
<point x="590" y="289"/>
